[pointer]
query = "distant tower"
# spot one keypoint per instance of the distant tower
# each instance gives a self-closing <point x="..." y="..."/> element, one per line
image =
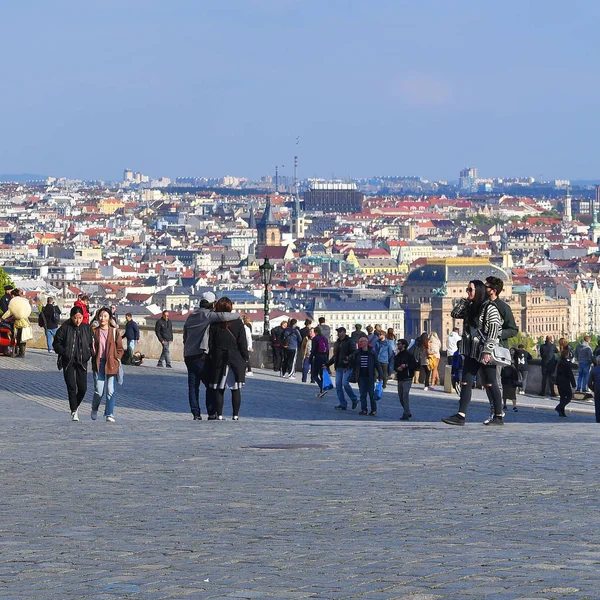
<point x="594" y="229"/>
<point x="567" y="216"/>
<point x="298" y="221"/>
<point x="268" y="232"/>
<point x="252" y="220"/>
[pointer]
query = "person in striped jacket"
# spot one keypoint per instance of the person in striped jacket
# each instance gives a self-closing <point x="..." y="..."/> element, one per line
<point x="482" y="325"/>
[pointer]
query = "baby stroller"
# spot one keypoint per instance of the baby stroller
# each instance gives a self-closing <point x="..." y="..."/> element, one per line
<point x="8" y="341"/>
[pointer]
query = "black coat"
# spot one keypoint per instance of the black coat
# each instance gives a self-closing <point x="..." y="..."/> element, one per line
<point x="565" y="380"/>
<point x="228" y="347"/>
<point x="51" y="316"/>
<point x="547" y="352"/>
<point x="73" y="343"/>
<point x="405" y="358"/>
<point x="164" y="330"/>
<point x="342" y="350"/>
<point x="374" y="367"/>
<point x="509" y="327"/>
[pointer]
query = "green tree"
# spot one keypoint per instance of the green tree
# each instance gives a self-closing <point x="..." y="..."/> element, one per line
<point x="522" y="338"/>
<point x="4" y="279"/>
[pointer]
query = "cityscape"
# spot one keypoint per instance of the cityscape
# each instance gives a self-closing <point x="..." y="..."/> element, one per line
<point x="395" y="249"/>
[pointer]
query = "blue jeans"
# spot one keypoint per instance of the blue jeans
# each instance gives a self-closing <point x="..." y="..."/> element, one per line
<point x="131" y="346"/>
<point x="367" y="386"/>
<point x="50" y="333"/>
<point x="306" y="369"/>
<point x="582" y="375"/>
<point x="102" y="382"/>
<point x="165" y="354"/>
<point x="341" y="384"/>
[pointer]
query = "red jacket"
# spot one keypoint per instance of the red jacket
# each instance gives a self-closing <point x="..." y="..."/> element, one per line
<point x="84" y="308"/>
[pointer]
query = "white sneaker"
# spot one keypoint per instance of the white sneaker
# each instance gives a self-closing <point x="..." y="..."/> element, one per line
<point x="425" y="389"/>
<point x="94" y="415"/>
<point x="110" y="419"/>
<point x="236" y="418"/>
<point x="292" y="376"/>
<point x="220" y="417"/>
<point x="249" y="374"/>
<point x="74" y="416"/>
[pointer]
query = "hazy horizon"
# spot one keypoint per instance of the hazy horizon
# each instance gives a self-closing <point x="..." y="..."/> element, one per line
<point x="355" y="89"/>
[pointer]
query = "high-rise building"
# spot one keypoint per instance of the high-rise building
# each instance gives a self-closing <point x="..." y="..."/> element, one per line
<point x="333" y="197"/>
<point x="467" y="181"/>
<point x="127" y="175"/>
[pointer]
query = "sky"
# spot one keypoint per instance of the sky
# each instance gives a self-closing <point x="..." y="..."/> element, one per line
<point x="355" y="88"/>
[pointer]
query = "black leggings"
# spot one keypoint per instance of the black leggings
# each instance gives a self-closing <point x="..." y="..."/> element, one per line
<point x="427" y="372"/>
<point x="236" y="401"/>
<point x="76" y="379"/>
<point x="488" y="379"/>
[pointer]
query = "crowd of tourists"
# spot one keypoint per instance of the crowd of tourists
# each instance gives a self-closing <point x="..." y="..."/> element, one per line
<point x="217" y="343"/>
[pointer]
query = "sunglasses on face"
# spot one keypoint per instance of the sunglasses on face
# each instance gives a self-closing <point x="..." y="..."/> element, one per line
<point x="470" y="289"/>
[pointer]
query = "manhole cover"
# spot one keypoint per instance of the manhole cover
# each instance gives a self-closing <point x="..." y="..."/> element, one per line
<point x="286" y="446"/>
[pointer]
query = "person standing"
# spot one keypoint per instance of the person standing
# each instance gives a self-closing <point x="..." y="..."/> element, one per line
<point x="5" y="300"/>
<point x="594" y="385"/>
<point x="391" y="337"/>
<point x="435" y="347"/>
<point x="276" y="345"/>
<point x="325" y="329"/>
<point x="319" y="355"/>
<point x="583" y="355"/>
<point x="510" y="383"/>
<point x="106" y="362"/>
<point x="291" y="341"/>
<point x="404" y="366"/>
<point x="565" y="382"/>
<point x="83" y="302"/>
<point x="248" y="331"/>
<point x="481" y="333"/>
<point x="385" y="355"/>
<point x="306" y="329"/>
<point x="164" y="332"/>
<point x="522" y="358"/>
<point x="452" y="344"/>
<point x="548" y="351"/>
<point x="366" y="368"/>
<point x="132" y="335"/>
<point x="424" y="362"/>
<point x="73" y="344"/>
<point x="195" y="352"/>
<point x="228" y="351"/>
<point x="50" y="321"/>
<point x="113" y="314"/>
<point x="19" y="309"/>
<point x="342" y="349"/>
<point x="306" y="348"/>
<point x="357" y="333"/>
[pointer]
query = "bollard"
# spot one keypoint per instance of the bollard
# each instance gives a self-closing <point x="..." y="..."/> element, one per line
<point x="448" y="379"/>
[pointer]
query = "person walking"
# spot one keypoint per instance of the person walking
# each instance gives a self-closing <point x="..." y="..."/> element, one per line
<point x="424" y="362"/>
<point x="325" y="329"/>
<point x="404" y="366"/>
<point x="522" y="358"/>
<point x="565" y="382"/>
<point x="481" y="333"/>
<point x="342" y="349"/>
<point x="452" y="344"/>
<point x="74" y="346"/>
<point x="132" y="335"/>
<point x="384" y="350"/>
<point x="319" y="355"/>
<point x="357" y="333"/>
<point x="583" y="355"/>
<point x="164" y="332"/>
<point x="306" y="348"/>
<point x="50" y="321"/>
<point x="366" y="368"/>
<point x="548" y="351"/>
<point x="106" y="362"/>
<point x="248" y="331"/>
<point x="276" y="345"/>
<point x="435" y="348"/>
<point x="195" y="352"/>
<point x="291" y="341"/>
<point x="228" y="351"/>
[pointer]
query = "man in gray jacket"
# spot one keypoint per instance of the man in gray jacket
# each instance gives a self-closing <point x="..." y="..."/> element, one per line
<point x="195" y="347"/>
<point x="583" y="356"/>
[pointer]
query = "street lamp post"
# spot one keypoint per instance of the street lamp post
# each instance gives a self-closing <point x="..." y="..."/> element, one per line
<point x="266" y="273"/>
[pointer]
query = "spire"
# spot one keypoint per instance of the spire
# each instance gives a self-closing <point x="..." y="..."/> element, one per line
<point x="268" y="217"/>
<point x="252" y="220"/>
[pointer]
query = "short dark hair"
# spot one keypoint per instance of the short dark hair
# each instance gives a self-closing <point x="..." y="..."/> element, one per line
<point x="495" y="283"/>
<point x="403" y="342"/>
<point x="292" y="322"/>
<point x="321" y="320"/>
<point x="308" y="322"/>
<point x="128" y="315"/>
<point x="76" y="310"/>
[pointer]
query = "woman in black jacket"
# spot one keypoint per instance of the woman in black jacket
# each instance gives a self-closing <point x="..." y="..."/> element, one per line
<point x="565" y="381"/>
<point x="228" y="355"/>
<point x="73" y="344"/>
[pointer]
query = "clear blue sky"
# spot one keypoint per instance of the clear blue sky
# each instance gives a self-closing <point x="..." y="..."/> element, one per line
<point x="199" y="87"/>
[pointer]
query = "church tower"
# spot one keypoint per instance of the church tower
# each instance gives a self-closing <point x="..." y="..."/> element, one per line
<point x="267" y="229"/>
<point x="567" y="214"/>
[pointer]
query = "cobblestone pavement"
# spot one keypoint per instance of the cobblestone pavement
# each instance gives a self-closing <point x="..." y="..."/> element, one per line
<point x="295" y="500"/>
